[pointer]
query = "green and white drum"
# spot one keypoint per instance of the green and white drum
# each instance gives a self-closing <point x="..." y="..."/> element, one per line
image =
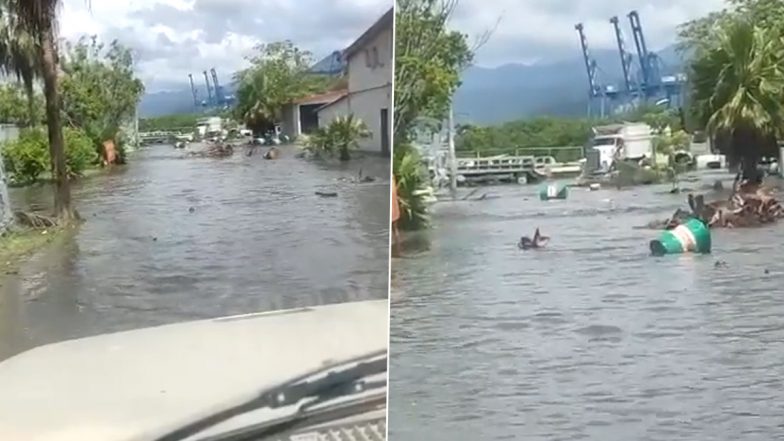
<point x="553" y="191"/>
<point x="693" y="236"/>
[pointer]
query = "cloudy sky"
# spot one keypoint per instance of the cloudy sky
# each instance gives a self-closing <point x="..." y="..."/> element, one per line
<point x="175" y="37"/>
<point x="542" y="30"/>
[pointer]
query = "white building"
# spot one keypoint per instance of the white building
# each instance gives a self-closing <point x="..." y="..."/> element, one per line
<point x="369" y="96"/>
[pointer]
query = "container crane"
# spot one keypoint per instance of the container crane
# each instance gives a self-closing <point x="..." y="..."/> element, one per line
<point x="626" y="58"/>
<point x="596" y="90"/>
<point x="219" y="98"/>
<point x="648" y="61"/>
<point x="193" y="91"/>
<point x="210" y="100"/>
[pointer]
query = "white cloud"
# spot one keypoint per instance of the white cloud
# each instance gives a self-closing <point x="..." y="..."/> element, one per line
<point x="172" y="38"/>
<point x="531" y="30"/>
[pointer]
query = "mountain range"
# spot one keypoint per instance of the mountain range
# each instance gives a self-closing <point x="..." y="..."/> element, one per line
<point x="516" y="91"/>
<point x="488" y="95"/>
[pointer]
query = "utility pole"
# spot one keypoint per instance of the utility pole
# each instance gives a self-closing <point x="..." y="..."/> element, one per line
<point x="452" y="155"/>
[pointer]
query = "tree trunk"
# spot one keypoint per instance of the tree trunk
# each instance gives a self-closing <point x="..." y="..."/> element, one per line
<point x="746" y="146"/>
<point x="62" y="190"/>
<point x="344" y="153"/>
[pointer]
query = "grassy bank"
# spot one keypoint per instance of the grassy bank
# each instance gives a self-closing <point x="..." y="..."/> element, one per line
<point x="46" y="178"/>
<point x="19" y="244"/>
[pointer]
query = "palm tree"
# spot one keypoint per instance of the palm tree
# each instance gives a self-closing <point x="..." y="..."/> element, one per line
<point x="737" y="90"/>
<point x="345" y="133"/>
<point x="38" y="18"/>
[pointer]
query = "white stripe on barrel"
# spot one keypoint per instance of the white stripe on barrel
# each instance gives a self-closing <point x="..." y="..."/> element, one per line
<point x="552" y="191"/>
<point x="685" y="237"/>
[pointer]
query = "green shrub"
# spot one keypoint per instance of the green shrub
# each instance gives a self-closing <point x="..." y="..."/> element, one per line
<point x="80" y="151"/>
<point x="26" y="158"/>
<point x="412" y="183"/>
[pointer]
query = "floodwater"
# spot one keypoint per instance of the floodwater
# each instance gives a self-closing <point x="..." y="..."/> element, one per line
<point x="589" y="338"/>
<point x="168" y="239"/>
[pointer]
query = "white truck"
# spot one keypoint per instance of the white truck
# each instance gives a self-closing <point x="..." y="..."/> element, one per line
<point x="626" y="141"/>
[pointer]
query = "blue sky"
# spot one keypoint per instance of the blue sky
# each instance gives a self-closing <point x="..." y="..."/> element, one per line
<point x="543" y="30"/>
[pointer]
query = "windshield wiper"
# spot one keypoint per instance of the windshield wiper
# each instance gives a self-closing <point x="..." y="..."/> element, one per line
<point x="333" y="382"/>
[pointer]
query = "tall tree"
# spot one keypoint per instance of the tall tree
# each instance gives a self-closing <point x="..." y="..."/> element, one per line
<point x="98" y="86"/>
<point x="738" y="90"/>
<point x="19" y="58"/>
<point x="38" y="18"/>
<point x="429" y="58"/>
<point x="279" y="74"/>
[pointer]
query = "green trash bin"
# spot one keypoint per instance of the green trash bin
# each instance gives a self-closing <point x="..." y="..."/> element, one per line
<point x="693" y="236"/>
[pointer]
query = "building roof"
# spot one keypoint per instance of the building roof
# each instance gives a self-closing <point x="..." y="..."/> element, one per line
<point x="386" y="21"/>
<point x="321" y="98"/>
<point x="333" y="64"/>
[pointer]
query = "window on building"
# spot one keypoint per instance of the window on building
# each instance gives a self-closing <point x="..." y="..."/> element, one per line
<point x="376" y="60"/>
<point x="368" y="60"/>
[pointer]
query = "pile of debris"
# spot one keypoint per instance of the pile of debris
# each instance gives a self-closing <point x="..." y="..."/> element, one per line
<point x="743" y="209"/>
<point x="748" y="206"/>
<point x="215" y="150"/>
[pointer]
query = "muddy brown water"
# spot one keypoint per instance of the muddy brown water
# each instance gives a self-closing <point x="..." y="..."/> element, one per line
<point x="590" y="338"/>
<point x="169" y="239"/>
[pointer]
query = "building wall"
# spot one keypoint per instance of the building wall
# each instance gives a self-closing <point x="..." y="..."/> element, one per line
<point x="289" y="125"/>
<point x="327" y="114"/>
<point x="367" y="106"/>
<point x="368" y="71"/>
<point x="370" y="87"/>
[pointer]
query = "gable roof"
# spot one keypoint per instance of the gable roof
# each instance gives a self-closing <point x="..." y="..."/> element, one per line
<point x="386" y="21"/>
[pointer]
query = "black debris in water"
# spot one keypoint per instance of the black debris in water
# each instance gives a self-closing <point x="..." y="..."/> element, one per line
<point x="191" y="210"/>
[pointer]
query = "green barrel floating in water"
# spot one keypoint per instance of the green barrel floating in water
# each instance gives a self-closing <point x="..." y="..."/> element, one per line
<point x="693" y="236"/>
<point x="553" y="191"/>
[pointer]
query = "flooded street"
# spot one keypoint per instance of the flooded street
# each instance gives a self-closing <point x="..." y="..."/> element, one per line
<point x="589" y="338"/>
<point x="169" y="239"/>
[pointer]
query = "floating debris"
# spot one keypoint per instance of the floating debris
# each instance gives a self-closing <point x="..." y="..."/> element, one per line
<point x="327" y="194"/>
<point x="215" y="150"/>
<point x="539" y="241"/>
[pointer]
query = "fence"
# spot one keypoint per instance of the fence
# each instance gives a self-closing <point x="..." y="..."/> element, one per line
<point x="561" y="154"/>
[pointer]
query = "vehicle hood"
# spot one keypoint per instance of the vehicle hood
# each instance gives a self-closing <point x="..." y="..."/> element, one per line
<point x="140" y="384"/>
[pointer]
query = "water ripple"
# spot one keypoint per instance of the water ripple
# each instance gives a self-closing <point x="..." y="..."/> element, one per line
<point x="589" y="339"/>
<point x="169" y="239"/>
